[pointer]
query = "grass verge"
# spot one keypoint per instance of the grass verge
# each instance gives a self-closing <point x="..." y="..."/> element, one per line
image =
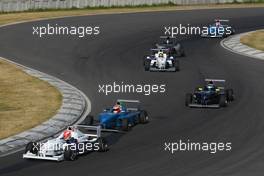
<point x="25" y="101"/>
<point x="254" y="40"/>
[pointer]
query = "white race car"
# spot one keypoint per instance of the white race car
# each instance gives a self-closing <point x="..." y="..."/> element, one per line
<point x="220" y="29"/>
<point x="160" y="60"/>
<point x="59" y="149"/>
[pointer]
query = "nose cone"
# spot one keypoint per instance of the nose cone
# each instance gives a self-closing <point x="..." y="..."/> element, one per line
<point x="204" y="96"/>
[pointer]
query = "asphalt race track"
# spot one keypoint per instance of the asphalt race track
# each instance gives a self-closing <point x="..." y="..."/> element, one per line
<point x="116" y="55"/>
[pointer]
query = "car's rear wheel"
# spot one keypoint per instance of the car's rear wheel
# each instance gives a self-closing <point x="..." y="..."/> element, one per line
<point x="177" y="65"/>
<point x="102" y="144"/>
<point x="89" y="120"/>
<point x="182" y="51"/>
<point x="188" y="99"/>
<point x="147" y="65"/>
<point x="229" y="94"/>
<point x="143" y="117"/>
<point x="70" y="154"/>
<point x="222" y="101"/>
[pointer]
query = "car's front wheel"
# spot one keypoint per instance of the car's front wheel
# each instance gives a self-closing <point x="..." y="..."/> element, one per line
<point x="32" y="147"/>
<point x="70" y="154"/>
<point x="147" y="65"/>
<point x="222" y="101"/>
<point x="230" y="95"/>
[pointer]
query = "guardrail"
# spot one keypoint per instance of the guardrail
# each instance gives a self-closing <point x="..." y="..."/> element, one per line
<point x="23" y="5"/>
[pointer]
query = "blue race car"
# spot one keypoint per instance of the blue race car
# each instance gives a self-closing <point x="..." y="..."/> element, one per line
<point x="219" y="29"/>
<point x="125" y="114"/>
<point x="210" y="96"/>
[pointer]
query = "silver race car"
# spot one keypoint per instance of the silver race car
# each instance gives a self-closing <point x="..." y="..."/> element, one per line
<point x="160" y="60"/>
<point x="59" y="148"/>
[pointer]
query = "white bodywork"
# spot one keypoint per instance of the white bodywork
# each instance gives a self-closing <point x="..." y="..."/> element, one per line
<point x="160" y="62"/>
<point x="54" y="149"/>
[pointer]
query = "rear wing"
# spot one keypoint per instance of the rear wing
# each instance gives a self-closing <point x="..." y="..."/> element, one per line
<point x="221" y="20"/>
<point x="128" y="101"/>
<point x="216" y="81"/>
<point x="159" y="49"/>
<point x="97" y="129"/>
<point x="131" y="105"/>
<point x="165" y="37"/>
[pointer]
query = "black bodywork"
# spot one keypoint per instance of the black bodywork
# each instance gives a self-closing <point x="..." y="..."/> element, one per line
<point x="175" y="49"/>
<point x="213" y="97"/>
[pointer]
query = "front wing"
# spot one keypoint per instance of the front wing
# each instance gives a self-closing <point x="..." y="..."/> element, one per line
<point x="171" y="69"/>
<point x="204" y="106"/>
<point x="212" y="36"/>
<point x="29" y="155"/>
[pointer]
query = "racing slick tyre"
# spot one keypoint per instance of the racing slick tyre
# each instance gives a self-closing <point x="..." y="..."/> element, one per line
<point x="182" y="53"/>
<point x="188" y="99"/>
<point x="89" y="120"/>
<point x="143" y="117"/>
<point x="147" y="65"/>
<point x="229" y="94"/>
<point x="70" y="154"/>
<point x="32" y="147"/>
<point x="177" y="65"/>
<point x="102" y="144"/>
<point x="222" y="101"/>
<point x="125" y="125"/>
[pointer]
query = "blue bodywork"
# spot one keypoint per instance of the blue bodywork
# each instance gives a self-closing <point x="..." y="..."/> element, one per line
<point x="110" y="120"/>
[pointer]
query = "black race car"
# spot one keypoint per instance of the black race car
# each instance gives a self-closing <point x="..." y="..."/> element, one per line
<point x="210" y="96"/>
<point x="174" y="47"/>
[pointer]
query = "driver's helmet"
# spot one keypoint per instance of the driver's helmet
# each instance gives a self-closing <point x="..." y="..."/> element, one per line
<point x="161" y="54"/>
<point x="117" y="108"/>
<point x="217" y="23"/>
<point x="67" y="134"/>
<point x="210" y="86"/>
